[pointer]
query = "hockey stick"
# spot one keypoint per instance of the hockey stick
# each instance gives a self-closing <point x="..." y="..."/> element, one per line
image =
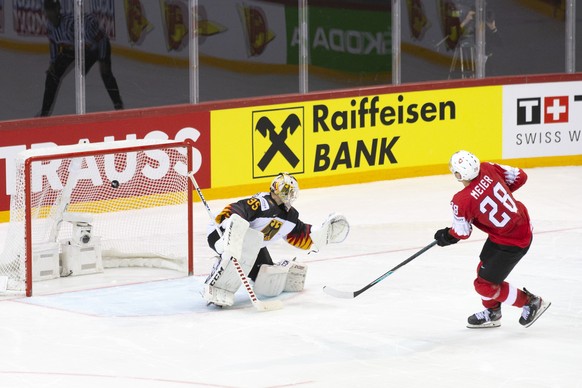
<point x="353" y="294"/>
<point x="259" y="305"/>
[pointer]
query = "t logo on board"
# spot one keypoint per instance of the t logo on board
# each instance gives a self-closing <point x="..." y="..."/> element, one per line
<point x="555" y="109"/>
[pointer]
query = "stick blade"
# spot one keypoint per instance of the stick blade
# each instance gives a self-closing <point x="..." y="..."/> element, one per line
<point x="268" y="305"/>
<point x="339" y="294"/>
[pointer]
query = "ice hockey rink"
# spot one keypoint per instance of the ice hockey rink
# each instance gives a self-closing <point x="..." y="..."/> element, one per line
<point x="406" y="331"/>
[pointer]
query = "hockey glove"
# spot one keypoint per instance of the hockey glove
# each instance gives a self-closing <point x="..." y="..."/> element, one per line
<point x="334" y="229"/>
<point x="444" y="238"/>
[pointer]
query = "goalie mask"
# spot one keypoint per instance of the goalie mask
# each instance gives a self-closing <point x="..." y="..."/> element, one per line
<point x="285" y="186"/>
<point x="464" y="166"/>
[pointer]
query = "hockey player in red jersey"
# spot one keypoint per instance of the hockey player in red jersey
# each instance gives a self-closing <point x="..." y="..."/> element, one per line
<point x="487" y="202"/>
<point x="248" y="226"/>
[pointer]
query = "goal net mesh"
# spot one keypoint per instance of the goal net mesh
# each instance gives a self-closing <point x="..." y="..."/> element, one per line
<point x="134" y="193"/>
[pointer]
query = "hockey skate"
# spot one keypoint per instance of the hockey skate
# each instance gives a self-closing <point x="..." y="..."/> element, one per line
<point x="533" y="309"/>
<point x="485" y="319"/>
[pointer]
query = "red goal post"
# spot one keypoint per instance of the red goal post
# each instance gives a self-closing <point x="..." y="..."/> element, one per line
<point x="89" y="206"/>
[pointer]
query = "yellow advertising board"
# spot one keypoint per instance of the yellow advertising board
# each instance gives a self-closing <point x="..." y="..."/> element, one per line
<point x="346" y="139"/>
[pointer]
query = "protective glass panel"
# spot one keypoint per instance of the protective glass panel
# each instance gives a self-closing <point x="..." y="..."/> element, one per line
<point x="439" y="39"/>
<point x="246" y="48"/>
<point x="24" y="54"/>
<point x="349" y="44"/>
<point x="578" y="37"/>
<point x="138" y="52"/>
<point x="531" y="37"/>
<point x="147" y="65"/>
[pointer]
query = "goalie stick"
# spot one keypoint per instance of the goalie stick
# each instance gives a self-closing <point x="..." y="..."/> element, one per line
<point x="259" y="305"/>
<point x="353" y="294"/>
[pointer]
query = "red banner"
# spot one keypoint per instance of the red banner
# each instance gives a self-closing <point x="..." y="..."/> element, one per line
<point x="64" y="130"/>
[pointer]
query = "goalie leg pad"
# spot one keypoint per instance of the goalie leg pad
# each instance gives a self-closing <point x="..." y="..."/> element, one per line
<point x="271" y="280"/>
<point x="287" y="276"/>
<point x="217" y="296"/>
<point x="224" y="280"/>
<point x="295" y="277"/>
<point x="243" y="244"/>
<point x="252" y="243"/>
<point x="224" y="276"/>
<point x="221" y="284"/>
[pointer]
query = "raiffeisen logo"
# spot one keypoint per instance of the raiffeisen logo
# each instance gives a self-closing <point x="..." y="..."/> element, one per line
<point x="369" y="113"/>
<point x="544" y="110"/>
<point x="278" y="141"/>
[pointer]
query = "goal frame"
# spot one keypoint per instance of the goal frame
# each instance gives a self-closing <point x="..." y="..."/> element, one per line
<point x="187" y="144"/>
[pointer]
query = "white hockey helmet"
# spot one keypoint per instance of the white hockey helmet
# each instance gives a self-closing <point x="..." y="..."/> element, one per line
<point x="464" y="165"/>
<point x="285" y="186"/>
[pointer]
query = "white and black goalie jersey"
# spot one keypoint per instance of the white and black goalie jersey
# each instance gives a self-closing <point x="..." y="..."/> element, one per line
<point x="274" y="221"/>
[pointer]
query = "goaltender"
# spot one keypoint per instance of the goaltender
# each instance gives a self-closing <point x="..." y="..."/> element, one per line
<point x="248" y="226"/>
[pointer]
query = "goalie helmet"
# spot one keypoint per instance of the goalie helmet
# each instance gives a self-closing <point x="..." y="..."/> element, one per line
<point x="464" y="165"/>
<point x="285" y="186"/>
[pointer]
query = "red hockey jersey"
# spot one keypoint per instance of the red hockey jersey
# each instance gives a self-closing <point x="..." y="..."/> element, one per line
<point x="488" y="204"/>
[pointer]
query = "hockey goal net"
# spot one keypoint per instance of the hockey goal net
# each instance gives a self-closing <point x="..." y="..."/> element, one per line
<point x="81" y="208"/>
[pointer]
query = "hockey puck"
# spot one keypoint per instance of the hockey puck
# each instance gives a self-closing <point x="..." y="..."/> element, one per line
<point x="115" y="184"/>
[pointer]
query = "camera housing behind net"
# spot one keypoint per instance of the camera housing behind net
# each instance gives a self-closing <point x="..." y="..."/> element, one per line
<point x="82" y="233"/>
<point x="82" y="227"/>
<point x="80" y="254"/>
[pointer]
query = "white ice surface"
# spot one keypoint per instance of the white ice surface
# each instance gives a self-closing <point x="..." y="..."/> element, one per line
<point x="406" y="331"/>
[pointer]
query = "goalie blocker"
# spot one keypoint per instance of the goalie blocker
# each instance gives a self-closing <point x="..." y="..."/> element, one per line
<point x="243" y="230"/>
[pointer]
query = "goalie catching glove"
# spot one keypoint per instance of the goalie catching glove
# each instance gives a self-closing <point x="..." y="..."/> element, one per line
<point x="334" y="230"/>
